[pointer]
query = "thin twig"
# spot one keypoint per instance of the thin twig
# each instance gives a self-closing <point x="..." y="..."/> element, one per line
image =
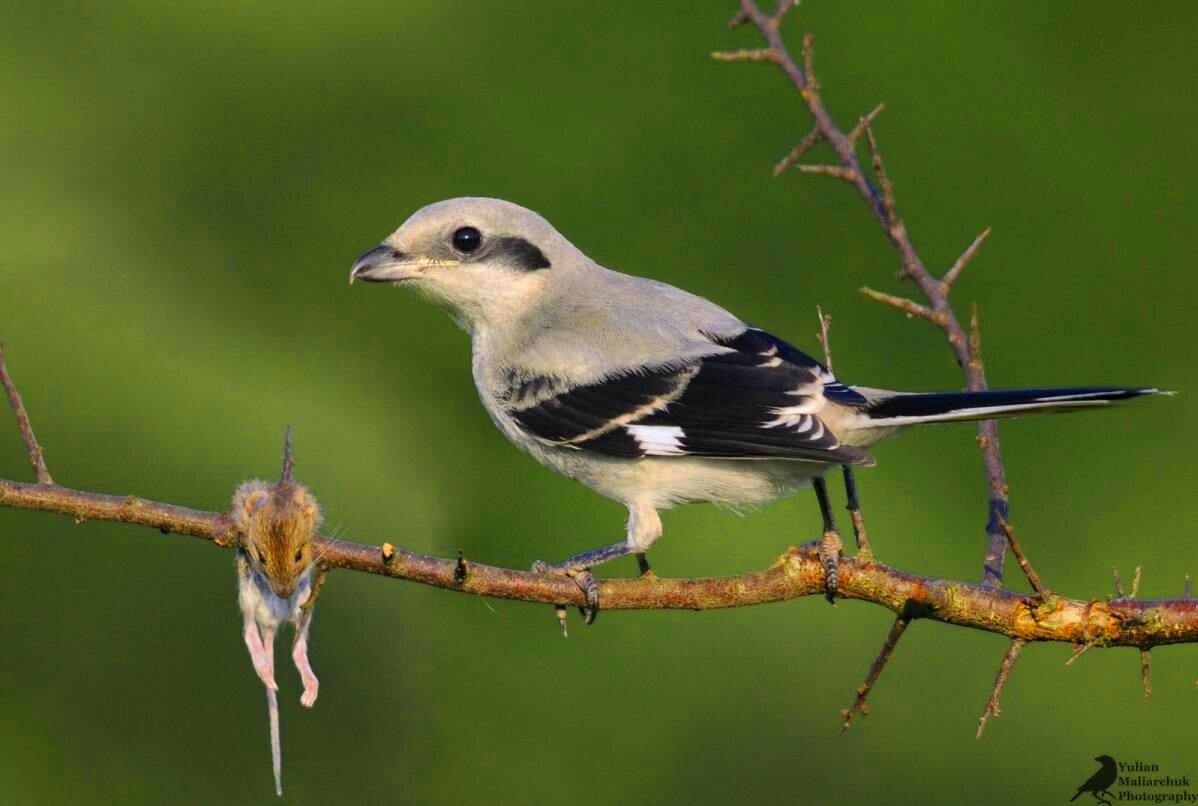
<point x="884" y="183"/>
<point x="907" y="306"/>
<point x="36" y="458"/>
<point x="860" y="706"/>
<point x="1042" y="591"/>
<point x="835" y="171"/>
<point x="825" y="324"/>
<point x="756" y="55"/>
<point x="864" y="122"/>
<point x="1004" y="671"/>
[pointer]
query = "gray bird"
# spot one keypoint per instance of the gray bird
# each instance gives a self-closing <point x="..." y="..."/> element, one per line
<point x="643" y="392"/>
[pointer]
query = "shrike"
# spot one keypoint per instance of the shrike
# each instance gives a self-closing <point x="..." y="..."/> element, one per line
<point x="645" y="393"/>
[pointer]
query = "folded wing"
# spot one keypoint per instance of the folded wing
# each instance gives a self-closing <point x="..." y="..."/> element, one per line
<point x="760" y="398"/>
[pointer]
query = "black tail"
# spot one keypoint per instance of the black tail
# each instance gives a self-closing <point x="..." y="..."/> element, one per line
<point x="941" y="407"/>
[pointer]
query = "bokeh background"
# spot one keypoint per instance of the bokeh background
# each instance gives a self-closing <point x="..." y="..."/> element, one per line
<point x="182" y="189"/>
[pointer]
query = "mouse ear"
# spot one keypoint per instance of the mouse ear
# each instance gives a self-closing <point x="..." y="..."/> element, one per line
<point x="254" y="501"/>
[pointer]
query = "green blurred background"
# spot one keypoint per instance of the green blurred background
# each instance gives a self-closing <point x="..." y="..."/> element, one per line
<point x="182" y="189"/>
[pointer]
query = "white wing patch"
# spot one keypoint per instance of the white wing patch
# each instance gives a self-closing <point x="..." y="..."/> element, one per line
<point x="657" y="440"/>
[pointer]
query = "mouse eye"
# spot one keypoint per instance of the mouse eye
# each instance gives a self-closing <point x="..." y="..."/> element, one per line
<point x="299" y="554"/>
<point x="467" y="239"/>
<point x="261" y="557"/>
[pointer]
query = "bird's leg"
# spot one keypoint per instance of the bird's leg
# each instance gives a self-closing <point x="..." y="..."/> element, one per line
<point x="644" y="527"/>
<point x="578" y="568"/>
<point x="642" y="563"/>
<point x="854" y="508"/>
<point x="830" y="543"/>
<point x="260" y="653"/>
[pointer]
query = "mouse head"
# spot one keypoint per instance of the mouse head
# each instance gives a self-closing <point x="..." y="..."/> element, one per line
<point x="278" y="522"/>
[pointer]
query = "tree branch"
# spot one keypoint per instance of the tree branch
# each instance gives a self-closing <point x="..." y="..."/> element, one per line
<point x="1120" y="622"/>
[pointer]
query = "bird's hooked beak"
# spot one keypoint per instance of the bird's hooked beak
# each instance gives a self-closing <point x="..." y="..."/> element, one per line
<point x="386" y="264"/>
<point x="382" y="264"/>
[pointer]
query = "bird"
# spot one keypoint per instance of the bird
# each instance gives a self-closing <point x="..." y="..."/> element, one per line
<point x="648" y="394"/>
<point x="1099" y="782"/>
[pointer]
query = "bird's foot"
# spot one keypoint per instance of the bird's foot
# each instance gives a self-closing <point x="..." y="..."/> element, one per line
<point x="830" y="548"/>
<point x="583" y="578"/>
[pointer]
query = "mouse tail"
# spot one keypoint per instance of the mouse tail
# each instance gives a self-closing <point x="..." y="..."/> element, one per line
<point x="276" y="748"/>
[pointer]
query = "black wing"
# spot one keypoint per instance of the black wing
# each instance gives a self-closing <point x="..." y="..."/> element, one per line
<point x="761" y="400"/>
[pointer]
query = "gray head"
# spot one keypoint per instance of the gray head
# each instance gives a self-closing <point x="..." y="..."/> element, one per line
<point x="484" y="260"/>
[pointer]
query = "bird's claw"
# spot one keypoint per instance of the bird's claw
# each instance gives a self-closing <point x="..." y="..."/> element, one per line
<point x="830" y="548"/>
<point x="584" y="579"/>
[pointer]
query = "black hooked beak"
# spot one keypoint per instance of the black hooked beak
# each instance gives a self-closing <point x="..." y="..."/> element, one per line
<point x="382" y="264"/>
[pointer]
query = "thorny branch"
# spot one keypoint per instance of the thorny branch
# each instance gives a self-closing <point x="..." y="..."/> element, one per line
<point x="1121" y="621"/>
<point x="879" y="195"/>
<point x="882" y="203"/>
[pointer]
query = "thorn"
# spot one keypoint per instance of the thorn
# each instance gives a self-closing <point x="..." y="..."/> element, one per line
<point x="388" y="553"/>
<point x="753" y="55"/>
<point x="1078" y="651"/>
<point x="1004" y="671"/>
<point x="560" y="611"/>
<point x="459" y="570"/>
<point x="968" y="255"/>
<point x="798" y="152"/>
<point x="1146" y="673"/>
<point x="907" y="306"/>
<point x="288" y="458"/>
<point x="1118" y="584"/>
<point x="863" y="122"/>
<point x="1187" y="588"/>
<point x="835" y="171"/>
<point x="1135" y="583"/>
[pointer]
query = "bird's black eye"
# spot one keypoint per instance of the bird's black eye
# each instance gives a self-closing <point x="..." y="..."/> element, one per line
<point x="299" y="554"/>
<point x="467" y="239"/>
<point x="261" y="557"/>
